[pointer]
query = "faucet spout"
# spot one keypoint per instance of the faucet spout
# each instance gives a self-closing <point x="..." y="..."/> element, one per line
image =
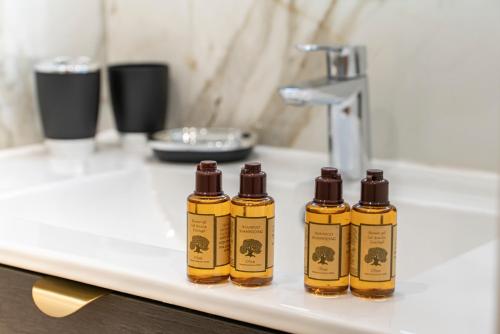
<point x="320" y="92"/>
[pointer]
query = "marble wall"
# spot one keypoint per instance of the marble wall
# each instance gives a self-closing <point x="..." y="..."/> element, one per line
<point x="433" y="66"/>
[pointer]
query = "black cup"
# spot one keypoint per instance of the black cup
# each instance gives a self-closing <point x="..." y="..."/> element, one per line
<point x="68" y="97"/>
<point x="139" y="96"/>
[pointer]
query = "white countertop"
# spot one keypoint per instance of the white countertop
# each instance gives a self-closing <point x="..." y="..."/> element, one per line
<point x="121" y="226"/>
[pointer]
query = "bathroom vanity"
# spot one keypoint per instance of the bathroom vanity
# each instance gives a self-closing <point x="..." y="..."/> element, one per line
<point x="114" y="312"/>
<point x="120" y="226"/>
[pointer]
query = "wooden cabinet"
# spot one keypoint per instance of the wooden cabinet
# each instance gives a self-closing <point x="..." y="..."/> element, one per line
<point x="113" y="313"/>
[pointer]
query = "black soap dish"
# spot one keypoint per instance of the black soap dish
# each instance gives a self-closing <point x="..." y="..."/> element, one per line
<point x="191" y="144"/>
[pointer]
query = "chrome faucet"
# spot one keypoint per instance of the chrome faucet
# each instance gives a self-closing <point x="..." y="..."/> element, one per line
<point x="345" y="93"/>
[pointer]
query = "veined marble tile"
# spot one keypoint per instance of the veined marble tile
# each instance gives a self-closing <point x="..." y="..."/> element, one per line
<point x="433" y="66"/>
<point x="434" y="77"/>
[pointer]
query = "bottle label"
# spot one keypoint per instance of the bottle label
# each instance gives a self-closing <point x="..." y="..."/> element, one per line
<point x="326" y="251"/>
<point x="373" y="252"/>
<point x="346" y="247"/>
<point x="394" y="239"/>
<point x="354" y="250"/>
<point x="252" y="244"/>
<point x="208" y="241"/>
<point x="232" y="241"/>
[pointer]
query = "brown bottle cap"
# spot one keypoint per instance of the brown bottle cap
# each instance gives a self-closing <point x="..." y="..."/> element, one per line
<point x="374" y="189"/>
<point x="328" y="187"/>
<point x="252" y="181"/>
<point x="208" y="179"/>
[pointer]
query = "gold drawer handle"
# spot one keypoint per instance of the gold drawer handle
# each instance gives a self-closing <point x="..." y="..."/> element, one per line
<point x="57" y="297"/>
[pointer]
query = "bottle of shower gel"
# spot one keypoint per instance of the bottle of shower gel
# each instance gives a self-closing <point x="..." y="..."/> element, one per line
<point x="252" y="230"/>
<point x="326" y="251"/>
<point x="208" y="226"/>
<point x="373" y="239"/>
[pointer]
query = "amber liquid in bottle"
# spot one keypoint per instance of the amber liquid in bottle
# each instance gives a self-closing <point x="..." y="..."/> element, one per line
<point x="373" y="240"/>
<point x="208" y="219"/>
<point x="326" y="244"/>
<point x="252" y="230"/>
<point x="327" y="281"/>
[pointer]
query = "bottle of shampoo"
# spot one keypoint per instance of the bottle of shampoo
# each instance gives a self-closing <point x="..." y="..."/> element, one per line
<point x="208" y="226"/>
<point x="252" y="230"/>
<point x="373" y="239"/>
<point x="326" y="251"/>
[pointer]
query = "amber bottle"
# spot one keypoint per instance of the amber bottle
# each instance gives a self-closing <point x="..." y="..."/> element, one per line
<point x="373" y="239"/>
<point x="326" y="245"/>
<point x="252" y="230"/>
<point x="208" y="226"/>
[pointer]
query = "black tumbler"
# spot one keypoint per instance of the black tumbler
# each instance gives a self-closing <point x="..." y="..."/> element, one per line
<point x="139" y="96"/>
<point x="68" y="97"/>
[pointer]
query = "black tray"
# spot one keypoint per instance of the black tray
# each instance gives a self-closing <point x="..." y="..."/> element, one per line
<point x="196" y="144"/>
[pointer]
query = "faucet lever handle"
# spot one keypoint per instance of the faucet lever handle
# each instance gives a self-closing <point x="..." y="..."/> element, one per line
<point x="342" y="61"/>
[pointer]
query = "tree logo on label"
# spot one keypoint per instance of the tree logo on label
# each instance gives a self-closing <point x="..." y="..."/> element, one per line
<point x="199" y="243"/>
<point x="322" y="254"/>
<point x="251" y="247"/>
<point x="375" y="256"/>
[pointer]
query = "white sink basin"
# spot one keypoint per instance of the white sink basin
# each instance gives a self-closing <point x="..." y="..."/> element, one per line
<point x="124" y="228"/>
